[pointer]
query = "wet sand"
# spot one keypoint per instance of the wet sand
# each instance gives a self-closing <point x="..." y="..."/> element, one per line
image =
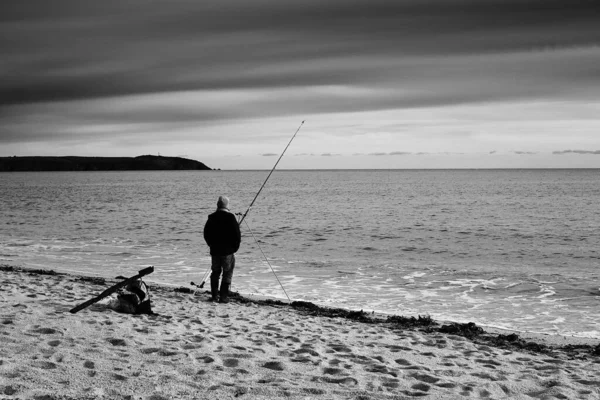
<point x="195" y="349"/>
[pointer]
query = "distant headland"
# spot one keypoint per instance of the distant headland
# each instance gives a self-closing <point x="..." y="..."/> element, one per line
<point x="72" y="163"/>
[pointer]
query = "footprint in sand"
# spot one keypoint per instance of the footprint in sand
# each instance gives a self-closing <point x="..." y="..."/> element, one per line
<point x="119" y="377"/>
<point x="421" y="386"/>
<point x="198" y="338"/>
<point x="306" y="351"/>
<point x="332" y="371"/>
<point x="377" y="369"/>
<point x="491" y="363"/>
<point x="231" y="362"/>
<point x="44" y="364"/>
<point x="380" y="359"/>
<point x="484" y="375"/>
<point x="117" y="342"/>
<point x="390" y="383"/>
<point x="167" y="352"/>
<point x="46" y="331"/>
<point x="9" y="390"/>
<point x="149" y="350"/>
<point x="272" y="328"/>
<point x="340" y="348"/>
<point x="425" y="378"/>
<point x="293" y="339"/>
<point x="402" y="361"/>
<point x="238" y="356"/>
<point x="284" y="353"/>
<point x="447" y="385"/>
<point x="466" y="390"/>
<point x="274" y="365"/>
<point x="346" y="381"/>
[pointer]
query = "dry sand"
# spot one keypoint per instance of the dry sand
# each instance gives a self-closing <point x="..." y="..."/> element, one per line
<point x="195" y="349"/>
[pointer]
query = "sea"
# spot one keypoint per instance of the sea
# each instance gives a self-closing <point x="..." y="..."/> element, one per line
<point x="515" y="249"/>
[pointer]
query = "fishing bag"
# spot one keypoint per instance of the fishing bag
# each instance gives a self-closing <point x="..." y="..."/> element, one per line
<point x="135" y="299"/>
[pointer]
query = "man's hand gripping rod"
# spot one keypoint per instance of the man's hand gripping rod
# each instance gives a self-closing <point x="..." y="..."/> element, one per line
<point x="206" y="274"/>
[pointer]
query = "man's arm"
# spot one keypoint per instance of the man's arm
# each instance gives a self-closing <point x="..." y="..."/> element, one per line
<point x="237" y="234"/>
<point x="207" y="233"/>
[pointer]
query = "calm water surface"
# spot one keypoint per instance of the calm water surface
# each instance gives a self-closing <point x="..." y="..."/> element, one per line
<point x="507" y="248"/>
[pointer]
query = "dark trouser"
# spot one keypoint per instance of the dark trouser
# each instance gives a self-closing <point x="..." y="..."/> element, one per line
<point x="225" y="265"/>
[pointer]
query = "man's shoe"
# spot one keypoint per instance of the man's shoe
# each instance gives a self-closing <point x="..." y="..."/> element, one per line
<point x="224" y="293"/>
<point x="214" y="287"/>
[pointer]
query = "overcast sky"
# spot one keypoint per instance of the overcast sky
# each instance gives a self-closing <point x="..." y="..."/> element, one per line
<point x="381" y="84"/>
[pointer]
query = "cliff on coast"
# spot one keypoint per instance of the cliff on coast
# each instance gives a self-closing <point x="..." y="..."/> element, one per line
<point x="71" y="163"/>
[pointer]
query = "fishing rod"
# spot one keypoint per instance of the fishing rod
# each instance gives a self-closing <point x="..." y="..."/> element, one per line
<point x="207" y="274"/>
<point x="273" y="169"/>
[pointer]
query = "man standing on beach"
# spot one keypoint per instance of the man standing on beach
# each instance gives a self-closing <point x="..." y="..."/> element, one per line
<point x="222" y="235"/>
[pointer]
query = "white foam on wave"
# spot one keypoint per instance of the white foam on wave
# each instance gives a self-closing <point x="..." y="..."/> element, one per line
<point x="411" y="277"/>
<point x="546" y="291"/>
<point x="559" y="320"/>
<point x="392" y="290"/>
<point x="511" y="285"/>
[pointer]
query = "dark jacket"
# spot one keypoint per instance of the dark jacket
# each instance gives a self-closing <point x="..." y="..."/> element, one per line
<point x="222" y="233"/>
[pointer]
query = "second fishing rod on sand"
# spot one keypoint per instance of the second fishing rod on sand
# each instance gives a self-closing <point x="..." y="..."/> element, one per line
<point x="208" y="271"/>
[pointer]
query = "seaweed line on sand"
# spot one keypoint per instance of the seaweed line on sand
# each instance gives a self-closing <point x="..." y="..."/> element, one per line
<point x="422" y="323"/>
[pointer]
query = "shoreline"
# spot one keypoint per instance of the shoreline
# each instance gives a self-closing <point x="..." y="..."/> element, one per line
<point x="262" y="349"/>
<point x="553" y="341"/>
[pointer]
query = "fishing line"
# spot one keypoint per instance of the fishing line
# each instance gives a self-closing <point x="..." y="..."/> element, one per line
<point x="267" y="260"/>
<point x="208" y="271"/>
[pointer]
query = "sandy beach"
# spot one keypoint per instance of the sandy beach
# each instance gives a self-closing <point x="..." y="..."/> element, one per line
<point x="195" y="349"/>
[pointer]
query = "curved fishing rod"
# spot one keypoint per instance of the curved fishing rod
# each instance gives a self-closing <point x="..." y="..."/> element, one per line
<point x="207" y="274"/>
<point x="273" y="169"/>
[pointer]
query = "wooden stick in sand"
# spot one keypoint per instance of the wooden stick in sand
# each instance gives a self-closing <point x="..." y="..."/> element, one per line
<point x="112" y="289"/>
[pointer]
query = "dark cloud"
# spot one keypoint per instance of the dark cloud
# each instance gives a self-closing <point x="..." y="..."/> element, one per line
<point x="525" y="152"/>
<point x="576" y="152"/>
<point x="82" y="49"/>
<point x="269" y="155"/>
<point x="393" y="153"/>
<point x="297" y="57"/>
